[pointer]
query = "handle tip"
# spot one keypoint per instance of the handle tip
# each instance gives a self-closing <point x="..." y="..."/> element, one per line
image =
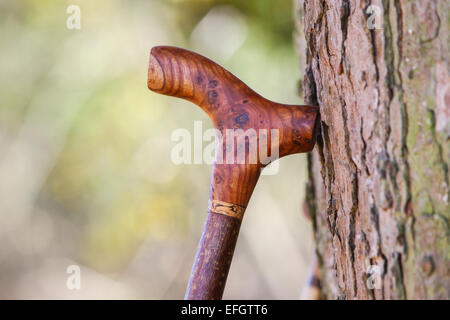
<point x="155" y="80"/>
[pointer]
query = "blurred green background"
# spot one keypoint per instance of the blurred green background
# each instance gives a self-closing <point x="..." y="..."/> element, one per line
<point x="86" y="176"/>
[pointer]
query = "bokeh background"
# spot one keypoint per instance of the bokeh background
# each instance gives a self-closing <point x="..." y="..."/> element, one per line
<point x="85" y="172"/>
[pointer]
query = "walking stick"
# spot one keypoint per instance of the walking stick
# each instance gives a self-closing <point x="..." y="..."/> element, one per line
<point x="232" y="106"/>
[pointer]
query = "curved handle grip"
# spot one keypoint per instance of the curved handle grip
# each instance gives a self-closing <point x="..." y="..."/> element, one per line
<point x="185" y="74"/>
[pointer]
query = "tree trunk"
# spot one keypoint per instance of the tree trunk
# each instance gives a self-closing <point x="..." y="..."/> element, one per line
<point x="378" y="189"/>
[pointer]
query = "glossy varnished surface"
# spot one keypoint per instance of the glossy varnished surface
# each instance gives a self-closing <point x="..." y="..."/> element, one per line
<point x="230" y="104"/>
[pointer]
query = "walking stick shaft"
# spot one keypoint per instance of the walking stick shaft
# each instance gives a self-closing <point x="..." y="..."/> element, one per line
<point x="213" y="259"/>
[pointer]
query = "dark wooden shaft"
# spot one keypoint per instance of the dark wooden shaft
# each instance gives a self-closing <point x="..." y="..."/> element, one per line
<point x="213" y="259"/>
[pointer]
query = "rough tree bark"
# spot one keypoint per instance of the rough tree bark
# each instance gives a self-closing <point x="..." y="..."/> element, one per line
<point x="379" y="187"/>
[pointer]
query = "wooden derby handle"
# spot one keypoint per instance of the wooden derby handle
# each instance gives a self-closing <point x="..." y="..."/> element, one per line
<point x="232" y="106"/>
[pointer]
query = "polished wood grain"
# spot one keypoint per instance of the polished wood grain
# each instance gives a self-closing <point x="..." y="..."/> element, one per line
<point x="231" y="105"/>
